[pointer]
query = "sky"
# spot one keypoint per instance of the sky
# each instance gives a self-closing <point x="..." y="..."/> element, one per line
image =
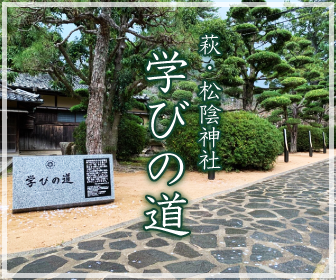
<point x="67" y="28"/>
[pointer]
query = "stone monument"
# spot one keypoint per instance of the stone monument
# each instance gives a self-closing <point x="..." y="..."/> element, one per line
<point x="49" y="182"/>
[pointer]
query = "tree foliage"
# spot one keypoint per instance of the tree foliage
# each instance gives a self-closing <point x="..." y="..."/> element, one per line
<point x="297" y="92"/>
<point x="247" y="141"/>
<point x="247" y="64"/>
<point x="105" y="57"/>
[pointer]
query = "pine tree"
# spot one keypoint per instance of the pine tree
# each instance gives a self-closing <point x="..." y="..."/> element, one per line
<point x="254" y="28"/>
<point x="299" y="92"/>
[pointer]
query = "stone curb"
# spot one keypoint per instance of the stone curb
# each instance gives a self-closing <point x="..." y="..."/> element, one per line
<point x="140" y="219"/>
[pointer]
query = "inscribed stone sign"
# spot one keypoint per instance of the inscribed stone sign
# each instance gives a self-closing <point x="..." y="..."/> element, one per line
<point x="97" y="177"/>
<point x="61" y="181"/>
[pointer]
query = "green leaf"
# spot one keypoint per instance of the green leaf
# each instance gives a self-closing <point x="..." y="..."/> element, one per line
<point x="264" y="60"/>
<point x="316" y="94"/>
<point x="233" y="91"/>
<point x="293" y="121"/>
<point x="239" y="12"/>
<point x="267" y="94"/>
<point x="300" y="60"/>
<point x="275" y="102"/>
<point x="293" y="82"/>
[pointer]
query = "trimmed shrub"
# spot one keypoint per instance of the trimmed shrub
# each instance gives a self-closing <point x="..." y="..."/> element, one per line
<point x="264" y="60"/>
<point x="183" y="140"/>
<point x="247" y="141"/>
<point x="326" y="131"/>
<point x="197" y="100"/>
<point x="246" y="28"/>
<point x="283" y="67"/>
<point x="275" y="102"/>
<point x="300" y="60"/>
<point x="235" y="60"/>
<point x="233" y="91"/>
<point x="165" y="122"/>
<point x="239" y="12"/>
<point x="182" y="94"/>
<point x="261" y="11"/>
<point x="188" y="85"/>
<point x="293" y="82"/>
<point x="79" y="135"/>
<point x="302" y="144"/>
<point x="293" y="97"/>
<point x="164" y="96"/>
<point x="293" y="121"/>
<point x="267" y="94"/>
<point x="132" y="137"/>
<point x="316" y="94"/>
<point x="291" y="45"/>
<point x="304" y="43"/>
<point x="133" y="103"/>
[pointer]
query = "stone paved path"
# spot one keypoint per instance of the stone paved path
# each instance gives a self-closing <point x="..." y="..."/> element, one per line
<point x="279" y="225"/>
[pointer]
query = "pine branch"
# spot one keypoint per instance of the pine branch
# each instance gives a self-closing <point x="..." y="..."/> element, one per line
<point x="73" y="67"/>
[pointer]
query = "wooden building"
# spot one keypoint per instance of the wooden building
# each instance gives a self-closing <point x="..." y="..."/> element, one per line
<point x="47" y="122"/>
<point x="41" y="116"/>
<point x="20" y="108"/>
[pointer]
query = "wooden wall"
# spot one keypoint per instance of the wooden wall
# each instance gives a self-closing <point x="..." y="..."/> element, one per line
<point x="47" y="132"/>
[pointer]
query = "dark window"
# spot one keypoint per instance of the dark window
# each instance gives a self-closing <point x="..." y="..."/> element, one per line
<point x="67" y="116"/>
<point x="80" y="117"/>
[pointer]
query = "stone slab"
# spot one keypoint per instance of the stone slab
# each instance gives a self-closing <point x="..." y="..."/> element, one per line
<point x="48" y="182"/>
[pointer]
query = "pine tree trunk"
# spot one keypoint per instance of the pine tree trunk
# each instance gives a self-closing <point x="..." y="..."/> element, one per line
<point x="110" y="136"/>
<point x="248" y="97"/>
<point x="294" y="132"/>
<point x="110" y="127"/>
<point x="244" y="102"/>
<point x="95" y="112"/>
<point x="115" y="134"/>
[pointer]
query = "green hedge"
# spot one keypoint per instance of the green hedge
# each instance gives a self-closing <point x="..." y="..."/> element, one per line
<point x="303" y="138"/>
<point x="247" y="141"/>
<point x="132" y="137"/>
<point x="79" y="135"/>
<point x="182" y="94"/>
<point x="183" y="140"/>
<point x="326" y="130"/>
<point x="302" y="144"/>
<point x="188" y="85"/>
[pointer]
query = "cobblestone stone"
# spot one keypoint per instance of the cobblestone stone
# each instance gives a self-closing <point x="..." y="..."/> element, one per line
<point x="278" y="225"/>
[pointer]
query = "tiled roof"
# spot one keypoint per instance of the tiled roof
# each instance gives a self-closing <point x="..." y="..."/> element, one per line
<point x="141" y="97"/>
<point x="44" y="81"/>
<point x="21" y="95"/>
<point x="41" y="81"/>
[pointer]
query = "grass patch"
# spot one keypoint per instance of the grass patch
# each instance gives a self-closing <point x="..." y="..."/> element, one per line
<point x="9" y="171"/>
<point x="143" y="161"/>
<point x="137" y="161"/>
